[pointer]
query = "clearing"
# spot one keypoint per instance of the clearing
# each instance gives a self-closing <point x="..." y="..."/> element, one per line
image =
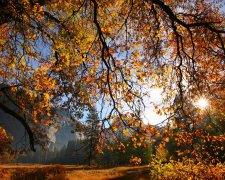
<point x="61" y="172"/>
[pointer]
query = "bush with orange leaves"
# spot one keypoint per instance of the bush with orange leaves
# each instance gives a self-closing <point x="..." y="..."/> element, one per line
<point x="186" y="169"/>
<point x="135" y="160"/>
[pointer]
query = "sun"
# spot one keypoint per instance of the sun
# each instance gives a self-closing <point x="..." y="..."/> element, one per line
<point x="202" y="103"/>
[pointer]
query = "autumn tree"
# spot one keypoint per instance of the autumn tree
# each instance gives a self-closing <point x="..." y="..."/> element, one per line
<point x="7" y="154"/>
<point x="73" y="53"/>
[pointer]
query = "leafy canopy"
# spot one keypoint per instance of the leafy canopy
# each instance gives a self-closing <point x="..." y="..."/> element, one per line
<point x="73" y="53"/>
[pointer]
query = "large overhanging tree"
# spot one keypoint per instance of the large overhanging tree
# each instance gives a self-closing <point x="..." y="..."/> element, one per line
<point x="73" y="53"/>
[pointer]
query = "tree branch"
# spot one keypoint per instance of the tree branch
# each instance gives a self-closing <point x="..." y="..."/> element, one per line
<point x="22" y="121"/>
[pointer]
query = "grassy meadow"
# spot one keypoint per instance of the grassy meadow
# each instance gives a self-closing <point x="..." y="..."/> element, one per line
<point x="70" y="172"/>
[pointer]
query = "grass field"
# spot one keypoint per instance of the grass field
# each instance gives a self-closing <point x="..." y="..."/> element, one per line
<point x="63" y="172"/>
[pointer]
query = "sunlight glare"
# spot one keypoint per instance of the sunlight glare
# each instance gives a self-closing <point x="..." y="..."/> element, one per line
<point x="202" y="103"/>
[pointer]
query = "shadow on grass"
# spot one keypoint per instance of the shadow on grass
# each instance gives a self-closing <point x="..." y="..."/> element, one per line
<point x="134" y="175"/>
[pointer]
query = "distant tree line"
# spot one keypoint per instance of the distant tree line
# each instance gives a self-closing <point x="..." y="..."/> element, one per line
<point x="84" y="151"/>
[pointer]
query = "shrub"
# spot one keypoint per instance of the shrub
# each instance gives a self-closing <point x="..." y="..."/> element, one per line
<point x="4" y="174"/>
<point x="186" y="169"/>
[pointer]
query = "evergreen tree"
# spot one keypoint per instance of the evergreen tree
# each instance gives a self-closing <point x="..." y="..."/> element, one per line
<point x="91" y="133"/>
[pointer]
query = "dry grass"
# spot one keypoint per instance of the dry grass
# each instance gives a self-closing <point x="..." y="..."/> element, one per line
<point x="59" y="172"/>
<point x="141" y="173"/>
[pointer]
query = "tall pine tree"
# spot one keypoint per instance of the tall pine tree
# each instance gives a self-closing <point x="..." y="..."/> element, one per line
<point x="91" y="133"/>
